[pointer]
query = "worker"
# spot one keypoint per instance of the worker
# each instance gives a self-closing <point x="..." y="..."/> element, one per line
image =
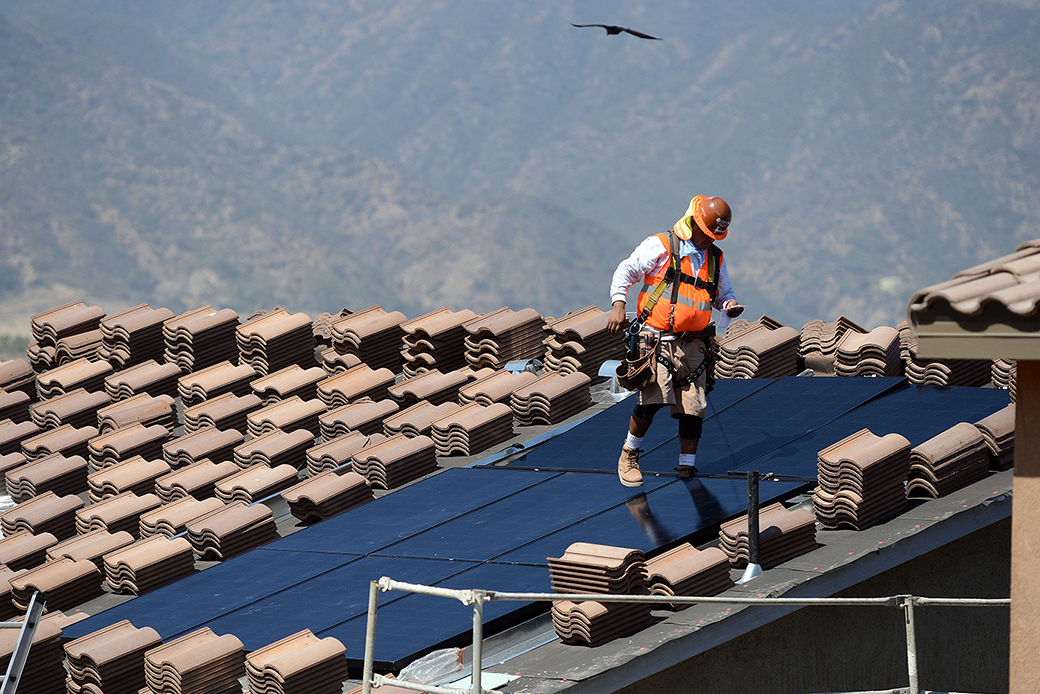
<point x="674" y="322"/>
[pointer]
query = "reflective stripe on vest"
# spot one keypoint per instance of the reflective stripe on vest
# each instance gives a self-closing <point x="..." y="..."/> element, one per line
<point x="692" y="311"/>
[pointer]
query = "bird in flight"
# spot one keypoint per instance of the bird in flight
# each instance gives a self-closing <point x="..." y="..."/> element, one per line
<point x="611" y="30"/>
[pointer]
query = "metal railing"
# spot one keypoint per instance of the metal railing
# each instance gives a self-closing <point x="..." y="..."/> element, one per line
<point x="477" y="598"/>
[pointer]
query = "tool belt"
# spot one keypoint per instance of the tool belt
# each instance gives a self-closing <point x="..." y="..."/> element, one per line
<point x="635" y="373"/>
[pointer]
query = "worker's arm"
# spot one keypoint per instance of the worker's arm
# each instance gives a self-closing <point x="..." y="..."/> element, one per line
<point x="647" y="259"/>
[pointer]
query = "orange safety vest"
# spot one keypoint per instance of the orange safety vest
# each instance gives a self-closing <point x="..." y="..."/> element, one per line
<point x="692" y="296"/>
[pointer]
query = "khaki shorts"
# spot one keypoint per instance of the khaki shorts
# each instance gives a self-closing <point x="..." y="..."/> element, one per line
<point x="691" y="399"/>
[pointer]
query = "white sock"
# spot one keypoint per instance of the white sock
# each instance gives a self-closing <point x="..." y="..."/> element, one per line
<point x="633" y="443"/>
<point x="689" y="459"/>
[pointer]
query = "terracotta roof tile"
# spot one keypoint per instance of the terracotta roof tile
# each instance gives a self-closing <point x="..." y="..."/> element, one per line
<point x="287" y="382"/>
<point x="199" y="338"/>
<point x="215" y="380"/>
<point x="232" y="530"/>
<point x="591" y="568"/>
<point x="24" y="550"/>
<point x="593" y="623"/>
<point x="122" y="512"/>
<point x="66" y="582"/>
<point x="133" y="335"/>
<point x="91" y="546"/>
<point x="759" y="352"/>
<point x="326" y="494"/>
<point x="953" y="459"/>
<point x="503" y="336"/>
<point x="171" y="518"/>
<point x="782" y="535"/>
<point x="287" y="415"/>
<point x="209" y="443"/>
<point x="436" y="340"/>
<point x="197" y="662"/>
<point x="472" y="428"/>
<point x="939" y="372"/>
<point x="395" y="461"/>
<point x="9" y="462"/>
<point x="111" y="659"/>
<point x="362" y="416"/>
<point x="66" y="439"/>
<point x="85" y="345"/>
<point x="140" y="409"/>
<point x="998" y="430"/>
<point x="46" y="513"/>
<point x="77" y="407"/>
<point x="332" y="362"/>
<point x="298" y="664"/>
<point x="14" y="405"/>
<point x="17" y="374"/>
<point x="551" y="398"/>
<point x="135" y="474"/>
<point x="71" y="318"/>
<point x="197" y="480"/>
<point x="276" y="340"/>
<point x="109" y="449"/>
<point x="354" y="384"/>
<point x="7" y="608"/>
<point x="496" y="387"/>
<point x="42" y="673"/>
<point x="372" y="335"/>
<point x="276" y="448"/>
<point x="146" y="376"/>
<point x="81" y="373"/>
<point x="418" y="419"/>
<point x="255" y="483"/>
<point x="876" y="353"/>
<point x="432" y="386"/>
<point x="54" y="473"/>
<point x="148" y="564"/>
<point x="227" y="411"/>
<point x="13" y="434"/>
<point x="337" y="452"/>
<point x="685" y="570"/>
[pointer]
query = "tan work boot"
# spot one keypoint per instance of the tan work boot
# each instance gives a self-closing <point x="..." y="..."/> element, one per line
<point x="628" y="468"/>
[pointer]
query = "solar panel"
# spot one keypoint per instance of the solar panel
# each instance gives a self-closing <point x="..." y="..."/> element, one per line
<point x="596" y="443"/>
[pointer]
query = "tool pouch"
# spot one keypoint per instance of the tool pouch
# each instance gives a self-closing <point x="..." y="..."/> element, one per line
<point x="637" y="370"/>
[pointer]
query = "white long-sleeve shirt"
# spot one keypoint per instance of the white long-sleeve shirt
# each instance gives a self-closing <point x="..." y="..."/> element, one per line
<point x="650" y="256"/>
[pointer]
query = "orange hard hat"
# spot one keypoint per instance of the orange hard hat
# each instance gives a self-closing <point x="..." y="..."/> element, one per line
<point x="711" y="215"/>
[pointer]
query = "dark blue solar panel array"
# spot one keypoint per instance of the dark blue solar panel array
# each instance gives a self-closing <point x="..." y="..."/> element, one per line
<point x="494" y="527"/>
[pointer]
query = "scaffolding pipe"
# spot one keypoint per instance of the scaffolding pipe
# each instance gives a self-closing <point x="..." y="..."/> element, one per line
<point x="370" y="637"/>
<point x="478" y="642"/>
<point x="911" y="641"/>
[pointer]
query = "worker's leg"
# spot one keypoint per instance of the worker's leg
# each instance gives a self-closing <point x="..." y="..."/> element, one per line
<point x="690" y="427"/>
<point x="638" y="425"/>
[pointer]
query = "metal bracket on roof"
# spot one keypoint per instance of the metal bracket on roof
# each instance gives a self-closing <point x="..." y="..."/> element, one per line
<point x="519" y="365"/>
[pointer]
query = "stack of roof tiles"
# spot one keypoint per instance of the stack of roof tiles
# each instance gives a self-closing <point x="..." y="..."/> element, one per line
<point x="135" y="474"/>
<point x="862" y="480"/>
<point x="146" y="376"/>
<point x="207" y="443"/>
<point x="998" y="430"/>
<point x="436" y="340"/>
<point x="355" y="383"/>
<point x="285" y="383"/>
<point x="93" y="546"/>
<point x="82" y="345"/>
<point x="338" y="452"/>
<point x="13" y="434"/>
<point x="149" y="564"/>
<point x="215" y="380"/>
<point x="591" y="568"/>
<point x="200" y="338"/>
<point x="1001" y="373"/>
<point x="81" y="373"/>
<point x="8" y="462"/>
<point x="298" y="664"/>
<point x="227" y="411"/>
<point x="332" y="362"/>
<point x="472" y="428"/>
<point x="782" y="535"/>
<point x="133" y="336"/>
<point x="761" y="351"/>
<point x="255" y="483"/>
<point x="198" y="663"/>
<point x="42" y="672"/>
<point x="551" y="398"/>
<point x="66" y="439"/>
<point x="686" y="570"/>
<point x="496" y="387"/>
<point x="286" y="415"/>
<point x="873" y="354"/>
<point x="46" y="513"/>
<point x="946" y="462"/>
<point x="326" y="494"/>
<point x="231" y="530"/>
<point x="580" y="342"/>
<point x="275" y="340"/>
<point x="276" y="448"/>
<point x="122" y="444"/>
<point x="362" y="416"/>
<point x="140" y="409"/>
<point x="373" y="336"/>
<point x="66" y="583"/>
<point x="24" y="550"/>
<point x="395" y="461"/>
<point x="171" y="518"/>
<point x="72" y="327"/>
<point x="7" y="608"/>
<point x="14" y="405"/>
<point x="940" y="372"/>
<point x="110" y="660"/>
<point x="418" y="419"/>
<point x="197" y="480"/>
<point x="119" y="513"/>
<point x="504" y="335"/>
<point x="432" y="386"/>
<point x="78" y="408"/>
<point x="819" y="340"/>
<point x="18" y="375"/>
<point x="52" y="473"/>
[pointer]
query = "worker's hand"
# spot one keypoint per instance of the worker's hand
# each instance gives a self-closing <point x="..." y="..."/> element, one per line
<point x="618" y="320"/>
<point x="733" y="309"/>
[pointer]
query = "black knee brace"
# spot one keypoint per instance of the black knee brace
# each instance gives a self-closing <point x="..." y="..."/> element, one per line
<point x="690" y="426"/>
<point x="646" y="412"/>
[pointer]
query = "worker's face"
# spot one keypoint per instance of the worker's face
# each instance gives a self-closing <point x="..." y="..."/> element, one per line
<point x="700" y="239"/>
